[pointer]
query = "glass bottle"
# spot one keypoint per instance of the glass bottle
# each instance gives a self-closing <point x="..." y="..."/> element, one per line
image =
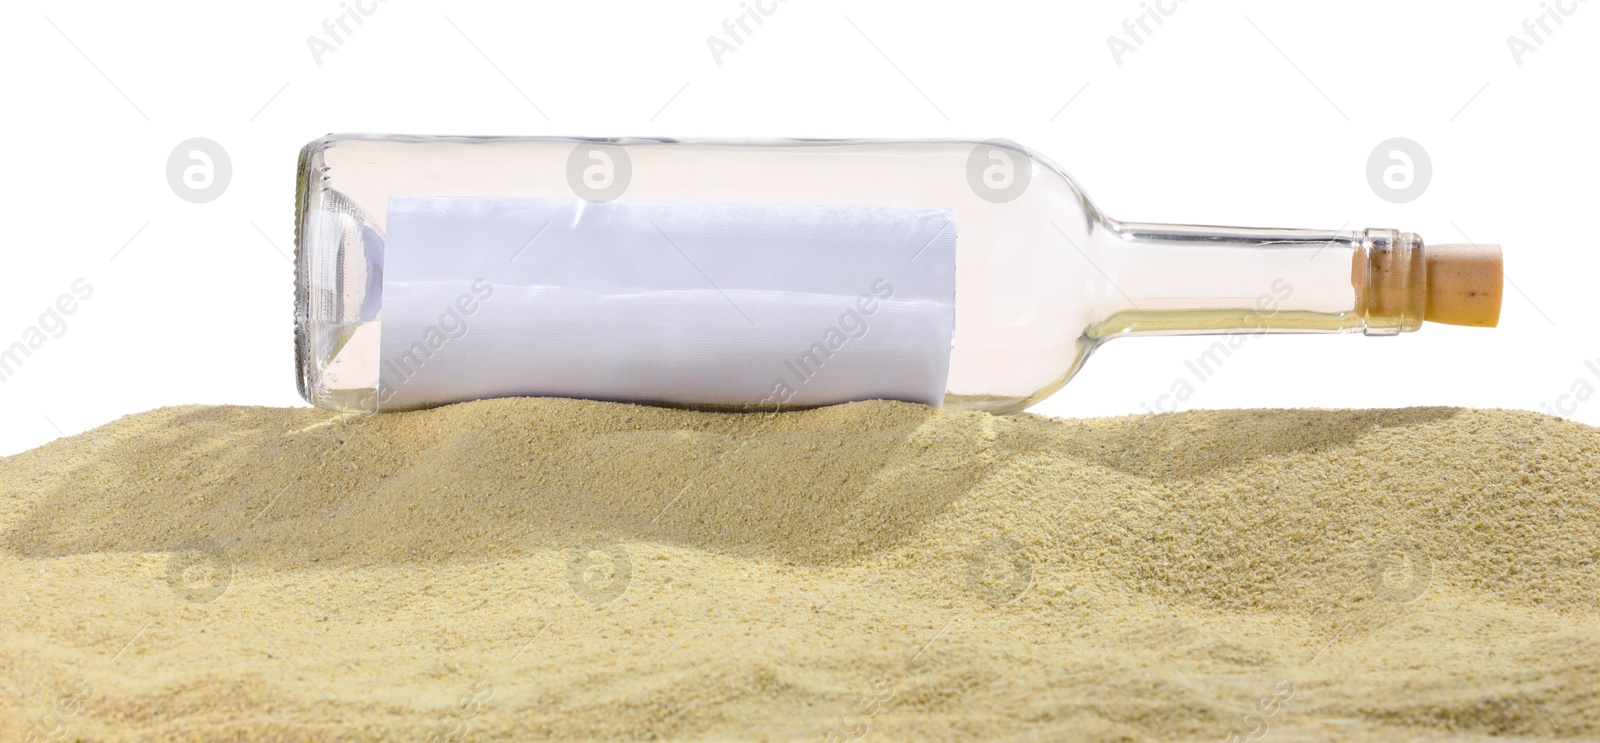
<point x="1032" y="275"/>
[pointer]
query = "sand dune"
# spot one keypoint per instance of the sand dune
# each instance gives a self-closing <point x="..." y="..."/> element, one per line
<point x="533" y="569"/>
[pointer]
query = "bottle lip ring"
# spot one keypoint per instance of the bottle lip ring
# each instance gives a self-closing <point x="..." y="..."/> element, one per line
<point x="1395" y="282"/>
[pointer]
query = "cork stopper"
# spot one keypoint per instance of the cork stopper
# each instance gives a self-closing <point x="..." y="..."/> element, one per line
<point x="1464" y="284"/>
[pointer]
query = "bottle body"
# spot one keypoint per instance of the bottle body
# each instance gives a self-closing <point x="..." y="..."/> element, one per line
<point x="1040" y="277"/>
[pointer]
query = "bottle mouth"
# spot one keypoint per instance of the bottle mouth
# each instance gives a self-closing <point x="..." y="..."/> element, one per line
<point x="1394" y="295"/>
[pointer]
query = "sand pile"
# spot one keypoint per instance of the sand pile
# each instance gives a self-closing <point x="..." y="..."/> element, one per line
<point x="531" y="569"/>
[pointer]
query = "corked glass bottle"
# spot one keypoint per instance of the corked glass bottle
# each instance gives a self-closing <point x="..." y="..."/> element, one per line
<point x="783" y="274"/>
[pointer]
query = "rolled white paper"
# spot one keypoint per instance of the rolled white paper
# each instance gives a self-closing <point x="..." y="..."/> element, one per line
<point x="739" y="304"/>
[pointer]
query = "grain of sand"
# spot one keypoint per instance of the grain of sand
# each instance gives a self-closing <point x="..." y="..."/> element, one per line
<point x="552" y="569"/>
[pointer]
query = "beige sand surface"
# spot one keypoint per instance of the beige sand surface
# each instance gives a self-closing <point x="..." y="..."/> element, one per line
<point x="552" y="569"/>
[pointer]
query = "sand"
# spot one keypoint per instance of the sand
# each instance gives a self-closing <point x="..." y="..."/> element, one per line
<point x="553" y="569"/>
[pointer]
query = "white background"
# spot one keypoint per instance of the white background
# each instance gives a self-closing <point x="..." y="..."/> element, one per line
<point x="1231" y="112"/>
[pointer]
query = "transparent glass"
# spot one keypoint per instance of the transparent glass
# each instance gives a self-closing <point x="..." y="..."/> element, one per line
<point x="1042" y="277"/>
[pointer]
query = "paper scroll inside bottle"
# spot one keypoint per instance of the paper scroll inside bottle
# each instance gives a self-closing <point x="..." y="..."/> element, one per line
<point x="706" y="304"/>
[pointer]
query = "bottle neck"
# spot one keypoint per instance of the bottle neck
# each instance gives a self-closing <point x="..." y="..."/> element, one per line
<point x="1189" y="280"/>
